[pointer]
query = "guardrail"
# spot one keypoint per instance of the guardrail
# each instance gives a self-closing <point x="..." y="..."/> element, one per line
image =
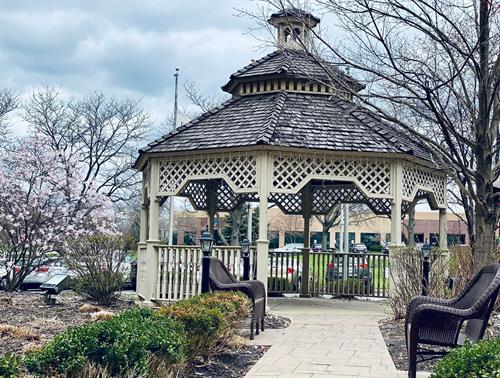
<point x="365" y="274"/>
<point x="179" y="269"/>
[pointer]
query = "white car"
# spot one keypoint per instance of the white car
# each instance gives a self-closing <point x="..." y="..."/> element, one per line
<point x="293" y="247"/>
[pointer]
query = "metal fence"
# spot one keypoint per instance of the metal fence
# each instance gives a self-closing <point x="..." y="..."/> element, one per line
<point x="350" y="274"/>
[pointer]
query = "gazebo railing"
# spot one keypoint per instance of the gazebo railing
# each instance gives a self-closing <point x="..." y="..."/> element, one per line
<point x="179" y="269"/>
<point x="345" y="274"/>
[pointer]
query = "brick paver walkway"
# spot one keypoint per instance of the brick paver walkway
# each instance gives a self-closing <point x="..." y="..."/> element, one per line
<point x="327" y="338"/>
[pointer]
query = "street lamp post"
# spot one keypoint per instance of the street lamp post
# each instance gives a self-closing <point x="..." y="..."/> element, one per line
<point x="426" y="251"/>
<point x="245" y="249"/>
<point x="206" y="242"/>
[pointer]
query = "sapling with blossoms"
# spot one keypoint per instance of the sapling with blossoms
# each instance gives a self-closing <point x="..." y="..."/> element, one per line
<point x="41" y="206"/>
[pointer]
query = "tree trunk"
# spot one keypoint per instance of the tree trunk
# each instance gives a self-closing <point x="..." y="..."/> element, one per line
<point x="411" y="226"/>
<point x="324" y="238"/>
<point x="485" y="241"/>
<point x="235" y="222"/>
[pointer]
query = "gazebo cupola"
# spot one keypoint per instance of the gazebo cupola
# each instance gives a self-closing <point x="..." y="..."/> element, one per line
<point x="290" y="135"/>
<point x="293" y="28"/>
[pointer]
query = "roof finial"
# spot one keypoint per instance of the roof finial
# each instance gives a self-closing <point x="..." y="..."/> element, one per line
<point x="293" y="28"/>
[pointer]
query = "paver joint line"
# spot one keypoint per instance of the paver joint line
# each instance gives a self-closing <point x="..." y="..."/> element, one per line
<point x="326" y="338"/>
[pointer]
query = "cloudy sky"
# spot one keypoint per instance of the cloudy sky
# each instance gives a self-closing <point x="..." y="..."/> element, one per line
<point x="124" y="48"/>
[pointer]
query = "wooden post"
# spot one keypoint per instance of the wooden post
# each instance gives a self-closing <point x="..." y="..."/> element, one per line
<point x="397" y="193"/>
<point x="307" y="210"/>
<point x="143" y="234"/>
<point x="263" y="242"/>
<point x="211" y="205"/>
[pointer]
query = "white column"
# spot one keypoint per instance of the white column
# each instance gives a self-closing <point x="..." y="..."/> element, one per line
<point x="143" y="234"/>
<point x="151" y="261"/>
<point x="154" y="218"/>
<point x="443" y="229"/>
<point x="397" y="193"/>
<point x="264" y="174"/>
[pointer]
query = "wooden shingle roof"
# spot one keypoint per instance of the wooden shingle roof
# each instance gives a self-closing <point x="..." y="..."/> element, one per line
<point x="292" y="64"/>
<point x="289" y="119"/>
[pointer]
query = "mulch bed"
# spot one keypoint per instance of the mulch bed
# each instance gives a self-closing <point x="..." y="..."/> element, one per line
<point x="27" y="309"/>
<point x="393" y="333"/>
<point x="230" y="364"/>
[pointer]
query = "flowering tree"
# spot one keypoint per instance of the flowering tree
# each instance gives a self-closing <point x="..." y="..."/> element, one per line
<point x="41" y="204"/>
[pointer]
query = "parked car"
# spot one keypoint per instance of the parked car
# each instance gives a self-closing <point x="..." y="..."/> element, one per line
<point x="357" y="268"/>
<point x="317" y="247"/>
<point x="385" y="248"/>
<point x="359" y="248"/>
<point x="44" y="271"/>
<point x="293" y="247"/>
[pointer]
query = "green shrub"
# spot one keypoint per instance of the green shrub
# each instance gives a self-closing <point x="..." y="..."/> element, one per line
<point x="202" y="326"/>
<point x="234" y="305"/>
<point x="479" y="360"/>
<point x="10" y="365"/>
<point x="209" y="320"/>
<point x="98" y="262"/>
<point x="104" y="288"/>
<point x="123" y="343"/>
<point x="375" y="248"/>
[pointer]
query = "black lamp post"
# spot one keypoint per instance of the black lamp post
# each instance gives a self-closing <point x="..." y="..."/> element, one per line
<point x="245" y="249"/>
<point x="206" y="242"/>
<point x="426" y="251"/>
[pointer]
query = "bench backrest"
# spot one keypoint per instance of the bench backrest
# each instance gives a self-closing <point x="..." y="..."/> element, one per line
<point x="219" y="274"/>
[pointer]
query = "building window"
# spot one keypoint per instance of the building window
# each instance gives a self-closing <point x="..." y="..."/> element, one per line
<point x="434" y="239"/>
<point x="294" y="237"/>
<point x="317" y="238"/>
<point x="370" y="239"/>
<point x="274" y="239"/>
<point x="454" y="239"/>
<point x="352" y="238"/>
<point x="189" y="237"/>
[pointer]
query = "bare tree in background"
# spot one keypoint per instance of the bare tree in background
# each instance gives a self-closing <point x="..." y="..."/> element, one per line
<point x="8" y="103"/>
<point x="202" y="101"/>
<point x="101" y="132"/>
<point x="433" y="70"/>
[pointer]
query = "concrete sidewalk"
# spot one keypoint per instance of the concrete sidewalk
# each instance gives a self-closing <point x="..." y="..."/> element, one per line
<point x="327" y="338"/>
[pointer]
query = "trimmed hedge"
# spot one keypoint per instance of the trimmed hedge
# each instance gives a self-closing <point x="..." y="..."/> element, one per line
<point x="480" y="360"/>
<point x="209" y="320"/>
<point x="125" y="342"/>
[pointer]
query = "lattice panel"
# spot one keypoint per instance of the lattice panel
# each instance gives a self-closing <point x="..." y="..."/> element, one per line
<point x="416" y="180"/>
<point x="327" y="196"/>
<point x="239" y="170"/>
<point x="227" y="199"/>
<point x="196" y="191"/>
<point x="291" y="171"/>
<point x="288" y="203"/>
<point x="146" y="175"/>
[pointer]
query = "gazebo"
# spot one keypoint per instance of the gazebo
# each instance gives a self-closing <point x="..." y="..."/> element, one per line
<point x="290" y="135"/>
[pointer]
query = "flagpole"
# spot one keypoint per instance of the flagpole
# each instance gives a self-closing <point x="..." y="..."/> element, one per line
<point x="171" y="198"/>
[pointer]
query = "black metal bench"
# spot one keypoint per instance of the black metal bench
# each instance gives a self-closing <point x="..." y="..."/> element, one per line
<point x="222" y="280"/>
<point x="437" y="321"/>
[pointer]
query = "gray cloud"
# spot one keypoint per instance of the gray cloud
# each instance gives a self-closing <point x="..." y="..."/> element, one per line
<point x="123" y="48"/>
